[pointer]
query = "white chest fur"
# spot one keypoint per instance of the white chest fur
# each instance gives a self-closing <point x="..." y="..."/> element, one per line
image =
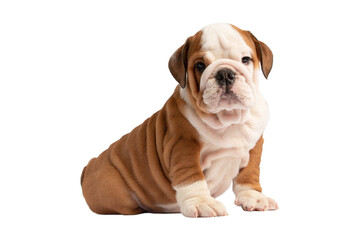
<point x="226" y="151"/>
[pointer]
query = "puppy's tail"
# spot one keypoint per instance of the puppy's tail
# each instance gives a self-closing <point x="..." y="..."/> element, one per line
<point x="82" y="175"/>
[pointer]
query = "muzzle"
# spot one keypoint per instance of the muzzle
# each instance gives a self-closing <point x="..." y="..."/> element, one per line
<point x="226" y="71"/>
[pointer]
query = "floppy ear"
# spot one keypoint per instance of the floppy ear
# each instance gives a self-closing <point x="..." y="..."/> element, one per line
<point x="264" y="54"/>
<point x="178" y="64"/>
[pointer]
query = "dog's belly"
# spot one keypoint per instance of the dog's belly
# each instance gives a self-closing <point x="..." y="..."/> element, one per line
<point x="220" y="166"/>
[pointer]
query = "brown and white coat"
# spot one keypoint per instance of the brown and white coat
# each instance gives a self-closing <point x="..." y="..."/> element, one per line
<point x="207" y="135"/>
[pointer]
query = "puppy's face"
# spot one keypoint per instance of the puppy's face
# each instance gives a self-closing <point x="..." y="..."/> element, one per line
<point x="218" y="70"/>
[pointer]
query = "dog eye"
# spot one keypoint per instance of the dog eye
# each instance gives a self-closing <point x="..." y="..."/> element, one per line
<point x="246" y="60"/>
<point x="200" y="66"/>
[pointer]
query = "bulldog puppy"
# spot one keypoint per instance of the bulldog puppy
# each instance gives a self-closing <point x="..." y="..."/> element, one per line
<point x="207" y="135"/>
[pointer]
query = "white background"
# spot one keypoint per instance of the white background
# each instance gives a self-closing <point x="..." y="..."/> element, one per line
<point x="77" y="75"/>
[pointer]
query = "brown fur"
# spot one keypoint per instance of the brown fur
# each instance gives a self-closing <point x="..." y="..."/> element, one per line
<point x="138" y="172"/>
<point x="249" y="176"/>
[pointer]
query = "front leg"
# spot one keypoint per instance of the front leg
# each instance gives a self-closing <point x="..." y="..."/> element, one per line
<point x="195" y="201"/>
<point x="246" y="185"/>
<point x="192" y="193"/>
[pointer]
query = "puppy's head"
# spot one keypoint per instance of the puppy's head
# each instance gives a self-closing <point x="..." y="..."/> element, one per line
<point x="218" y="68"/>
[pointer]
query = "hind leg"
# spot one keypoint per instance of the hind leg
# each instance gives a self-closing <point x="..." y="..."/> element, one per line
<point x="105" y="190"/>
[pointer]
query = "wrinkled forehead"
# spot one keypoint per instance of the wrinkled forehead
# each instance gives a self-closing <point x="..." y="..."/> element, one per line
<point x="220" y="41"/>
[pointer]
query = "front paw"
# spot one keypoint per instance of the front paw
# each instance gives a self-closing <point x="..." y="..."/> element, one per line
<point x="202" y="206"/>
<point x="251" y="200"/>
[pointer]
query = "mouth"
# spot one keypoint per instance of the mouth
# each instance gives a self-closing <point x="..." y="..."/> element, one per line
<point x="228" y="101"/>
<point x="228" y="107"/>
<point x="224" y="98"/>
<point x="228" y="94"/>
<point x="229" y="97"/>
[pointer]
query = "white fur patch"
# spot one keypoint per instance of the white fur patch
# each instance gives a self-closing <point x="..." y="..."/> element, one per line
<point x="251" y="200"/>
<point x="221" y="40"/>
<point x="194" y="200"/>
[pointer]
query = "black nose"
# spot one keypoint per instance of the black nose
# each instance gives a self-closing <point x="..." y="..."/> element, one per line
<point x="225" y="77"/>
